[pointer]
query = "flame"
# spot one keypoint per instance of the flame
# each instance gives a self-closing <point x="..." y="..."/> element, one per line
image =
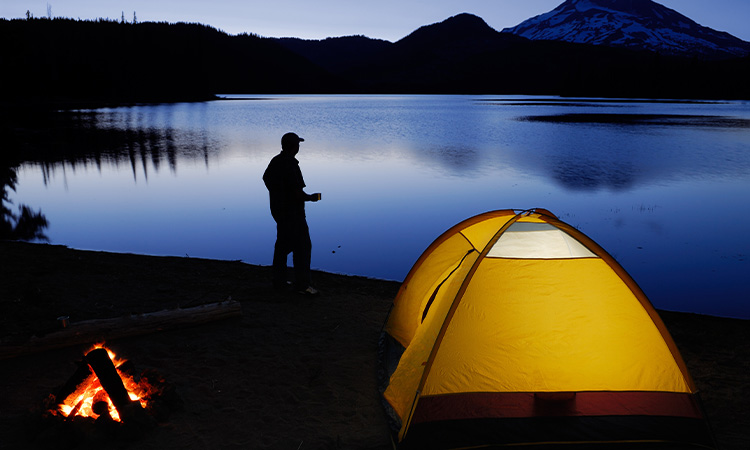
<point x="90" y="392"/>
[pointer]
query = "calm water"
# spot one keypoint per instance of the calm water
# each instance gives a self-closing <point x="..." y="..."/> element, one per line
<point x="662" y="186"/>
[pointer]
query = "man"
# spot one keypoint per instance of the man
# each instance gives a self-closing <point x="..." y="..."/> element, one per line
<point x="285" y="184"/>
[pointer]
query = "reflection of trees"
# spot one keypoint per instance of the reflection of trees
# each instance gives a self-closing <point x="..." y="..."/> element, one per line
<point x="84" y="139"/>
<point x="26" y="225"/>
<point x="96" y="139"/>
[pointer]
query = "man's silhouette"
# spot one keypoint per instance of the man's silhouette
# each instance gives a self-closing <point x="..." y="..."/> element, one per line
<point x="285" y="184"/>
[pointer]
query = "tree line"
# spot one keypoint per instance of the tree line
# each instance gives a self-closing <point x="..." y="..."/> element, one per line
<point x="106" y="61"/>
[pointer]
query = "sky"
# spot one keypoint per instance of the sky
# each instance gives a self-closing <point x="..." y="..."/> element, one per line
<point x="381" y="19"/>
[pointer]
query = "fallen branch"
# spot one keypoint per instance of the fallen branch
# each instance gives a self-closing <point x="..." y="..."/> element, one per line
<point x="100" y="330"/>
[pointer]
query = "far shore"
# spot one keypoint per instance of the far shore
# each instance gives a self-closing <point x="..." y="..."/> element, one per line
<point x="291" y="372"/>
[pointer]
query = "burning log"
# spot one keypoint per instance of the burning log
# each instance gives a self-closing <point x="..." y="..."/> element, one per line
<point x="80" y="376"/>
<point x="99" y="360"/>
<point x="106" y="399"/>
<point x="130" y="412"/>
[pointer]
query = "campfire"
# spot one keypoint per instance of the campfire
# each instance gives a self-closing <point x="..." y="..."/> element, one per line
<point x="90" y="397"/>
<point x="106" y="395"/>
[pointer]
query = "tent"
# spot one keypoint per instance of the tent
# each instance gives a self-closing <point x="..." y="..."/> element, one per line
<point x="516" y="329"/>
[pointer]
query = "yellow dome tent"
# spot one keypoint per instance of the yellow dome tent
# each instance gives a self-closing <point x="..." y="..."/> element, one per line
<point x="517" y="329"/>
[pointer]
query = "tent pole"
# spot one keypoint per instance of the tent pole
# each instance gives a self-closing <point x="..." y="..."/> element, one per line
<point x="454" y="306"/>
<point x="411" y="411"/>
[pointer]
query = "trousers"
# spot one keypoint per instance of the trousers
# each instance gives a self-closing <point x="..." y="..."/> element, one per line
<point x="292" y="236"/>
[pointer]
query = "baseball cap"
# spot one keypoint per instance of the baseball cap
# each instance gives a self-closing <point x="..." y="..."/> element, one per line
<point x="290" y="138"/>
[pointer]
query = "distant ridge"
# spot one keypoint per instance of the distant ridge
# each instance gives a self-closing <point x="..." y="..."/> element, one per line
<point x="464" y="55"/>
<point x="73" y="61"/>
<point x="635" y="24"/>
<point x="335" y="54"/>
<point x="434" y="57"/>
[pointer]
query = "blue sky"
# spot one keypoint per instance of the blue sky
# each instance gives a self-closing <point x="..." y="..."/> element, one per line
<point x="383" y="19"/>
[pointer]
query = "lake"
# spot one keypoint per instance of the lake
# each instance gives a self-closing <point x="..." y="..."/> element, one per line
<point x="662" y="186"/>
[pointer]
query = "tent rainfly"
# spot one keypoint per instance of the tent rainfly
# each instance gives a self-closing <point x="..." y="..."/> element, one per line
<point x="515" y="329"/>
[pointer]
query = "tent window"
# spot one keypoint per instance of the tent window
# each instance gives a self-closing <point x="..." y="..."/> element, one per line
<point x="538" y="241"/>
<point x="434" y="293"/>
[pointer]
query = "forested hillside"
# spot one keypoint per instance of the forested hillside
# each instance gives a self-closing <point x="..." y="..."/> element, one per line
<point x="117" y="62"/>
<point x="70" y="59"/>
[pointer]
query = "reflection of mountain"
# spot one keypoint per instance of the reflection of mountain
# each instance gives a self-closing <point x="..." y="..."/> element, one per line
<point x="609" y="164"/>
<point x="456" y="160"/>
<point x="90" y="139"/>
<point x="586" y="174"/>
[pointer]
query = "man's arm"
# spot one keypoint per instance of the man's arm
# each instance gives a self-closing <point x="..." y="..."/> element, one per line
<point x="305" y="197"/>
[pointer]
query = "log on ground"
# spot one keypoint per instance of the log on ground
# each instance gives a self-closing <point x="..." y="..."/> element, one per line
<point x="100" y="330"/>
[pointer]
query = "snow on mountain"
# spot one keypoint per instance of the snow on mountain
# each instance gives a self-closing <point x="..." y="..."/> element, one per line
<point x="640" y="24"/>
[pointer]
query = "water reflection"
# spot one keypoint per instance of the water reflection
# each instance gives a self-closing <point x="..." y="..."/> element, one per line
<point x="456" y="160"/>
<point x="87" y="139"/>
<point x="637" y="177"/>
<point x="624" y="151"/>
<point x="586" y="175"/>
<point x="26" y="225"/>
<point x="683" y="120"/>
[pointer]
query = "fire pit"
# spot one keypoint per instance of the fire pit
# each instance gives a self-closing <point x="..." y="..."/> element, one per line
<point x="106" y="399"/>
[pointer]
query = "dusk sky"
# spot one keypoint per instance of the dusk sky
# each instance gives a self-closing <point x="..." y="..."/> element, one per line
<point x="383" y="19"/>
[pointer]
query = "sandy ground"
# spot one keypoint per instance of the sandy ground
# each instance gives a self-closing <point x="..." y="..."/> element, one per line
<point x="290" y="373"/>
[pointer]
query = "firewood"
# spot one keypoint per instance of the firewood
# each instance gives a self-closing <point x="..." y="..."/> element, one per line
<point x="110" y="380"/>
<point x="81" y="375"/>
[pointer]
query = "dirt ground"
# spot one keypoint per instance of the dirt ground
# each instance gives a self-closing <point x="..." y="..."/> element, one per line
<point x="290" y="373"/>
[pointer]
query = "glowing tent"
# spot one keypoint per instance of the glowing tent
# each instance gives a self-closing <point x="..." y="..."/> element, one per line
<point x="517" y="329"/>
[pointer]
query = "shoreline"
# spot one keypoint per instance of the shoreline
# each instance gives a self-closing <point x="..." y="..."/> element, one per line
<point x="291" y="372"/>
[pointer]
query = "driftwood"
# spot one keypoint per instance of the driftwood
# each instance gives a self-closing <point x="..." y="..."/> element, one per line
<point x="99" y="330"/>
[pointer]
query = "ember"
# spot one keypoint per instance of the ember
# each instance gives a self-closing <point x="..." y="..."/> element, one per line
<point x="106" y="392"/>
<point x="90" y="399"/>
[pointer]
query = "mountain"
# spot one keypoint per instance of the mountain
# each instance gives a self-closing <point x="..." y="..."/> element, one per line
<point x="464" y="55"/>
<point x="636" y="24"/>
<point x="65" y="60"/>
<point x="434" y="57"/>
<point x="459" y="36"/>
<point x="337" y="53"/>
<point x="463" y="27"/>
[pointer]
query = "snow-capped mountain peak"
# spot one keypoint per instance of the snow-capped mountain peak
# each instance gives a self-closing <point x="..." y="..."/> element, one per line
<point x="638" y="24"/>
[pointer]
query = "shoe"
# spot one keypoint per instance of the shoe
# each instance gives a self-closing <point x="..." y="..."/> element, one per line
<point x="309" y="291"/>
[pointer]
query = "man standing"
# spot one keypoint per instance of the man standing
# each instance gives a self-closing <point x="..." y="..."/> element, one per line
<point x="285" y="184"/>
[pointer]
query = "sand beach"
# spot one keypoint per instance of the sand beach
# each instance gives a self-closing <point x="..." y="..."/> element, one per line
<point x="291" y="372"/>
